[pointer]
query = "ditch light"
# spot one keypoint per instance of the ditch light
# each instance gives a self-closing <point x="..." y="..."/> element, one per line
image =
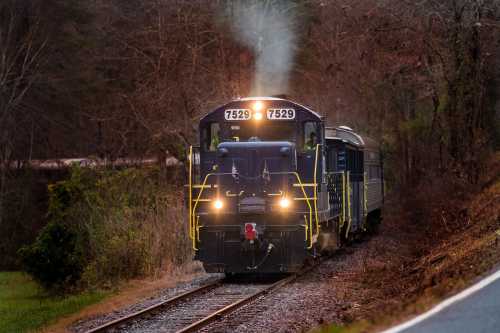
<point x="284" y="203"/>
<point x="218" y="204"/>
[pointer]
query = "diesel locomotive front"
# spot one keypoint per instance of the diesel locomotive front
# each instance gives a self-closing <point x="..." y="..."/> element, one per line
<point x="262" y="196"/>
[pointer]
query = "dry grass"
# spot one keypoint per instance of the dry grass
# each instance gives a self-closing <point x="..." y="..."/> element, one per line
<point x="414" y="262"/>
<point x="414" y="268"/>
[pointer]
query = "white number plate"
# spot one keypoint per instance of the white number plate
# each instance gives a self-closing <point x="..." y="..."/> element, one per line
<point x="280" y="114"/>
<point x="237" y="114"/>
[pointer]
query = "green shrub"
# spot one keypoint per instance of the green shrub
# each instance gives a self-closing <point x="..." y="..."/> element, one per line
<point x="135" y="226"/>
<point x="54" y="260"/>
<point x="123" y="224"/>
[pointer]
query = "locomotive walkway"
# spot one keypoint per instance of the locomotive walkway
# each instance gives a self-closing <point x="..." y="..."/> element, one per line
<point x="476" y="309"/>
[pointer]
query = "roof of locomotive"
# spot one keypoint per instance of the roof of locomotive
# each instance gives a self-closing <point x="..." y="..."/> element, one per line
<point x="276" y="103"/>
<point x="347" y="135"/>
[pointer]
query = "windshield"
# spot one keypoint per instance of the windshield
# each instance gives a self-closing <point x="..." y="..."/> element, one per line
<point x="216" y="133"/>
<point x="268" y="131"/>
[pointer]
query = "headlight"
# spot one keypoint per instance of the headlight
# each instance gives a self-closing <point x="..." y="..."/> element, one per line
<point x="257" y="106"/>
<point x="218" y="204"/>
<point x="284" y="203"/>
<point x="257" y="116"/>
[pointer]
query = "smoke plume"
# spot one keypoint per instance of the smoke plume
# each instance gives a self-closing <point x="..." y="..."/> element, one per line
<point x="268" y="28"/>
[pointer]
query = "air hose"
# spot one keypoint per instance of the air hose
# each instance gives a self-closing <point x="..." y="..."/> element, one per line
<point x="270" y="248"/>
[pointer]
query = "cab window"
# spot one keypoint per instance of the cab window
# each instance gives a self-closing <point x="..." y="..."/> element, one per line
<point x="266" y="131"/>
<point x="212" y="137"/>
<point x="310" y="136"/>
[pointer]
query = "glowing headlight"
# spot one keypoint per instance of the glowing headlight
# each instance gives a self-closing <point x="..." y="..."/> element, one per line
<point x="218" y="204"/>
<point x="257" y="116"/>
<point x="257" y="106"/>
<point x="284" y="203"/>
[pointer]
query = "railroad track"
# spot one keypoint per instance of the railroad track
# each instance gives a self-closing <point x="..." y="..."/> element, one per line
<point x="194" y="309"/>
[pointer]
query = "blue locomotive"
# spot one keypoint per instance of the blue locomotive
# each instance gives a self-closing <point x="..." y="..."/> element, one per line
<point x="270" y="186"/>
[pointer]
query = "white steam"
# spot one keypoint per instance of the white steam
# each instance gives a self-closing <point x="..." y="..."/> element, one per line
<point x="268" y="28"/>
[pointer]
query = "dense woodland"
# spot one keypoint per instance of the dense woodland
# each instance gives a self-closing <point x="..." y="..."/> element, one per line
<point x="115" y="78"/>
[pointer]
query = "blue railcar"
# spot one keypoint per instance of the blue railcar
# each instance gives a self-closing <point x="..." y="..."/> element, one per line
<point x="270" y="186"/>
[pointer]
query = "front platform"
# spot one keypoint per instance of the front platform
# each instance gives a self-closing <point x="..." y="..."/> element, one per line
<point x="277" y="249"/>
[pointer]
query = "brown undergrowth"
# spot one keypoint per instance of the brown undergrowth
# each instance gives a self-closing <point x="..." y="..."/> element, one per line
<point x="415" y="262"/>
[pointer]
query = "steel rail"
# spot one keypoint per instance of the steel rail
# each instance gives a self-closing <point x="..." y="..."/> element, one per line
<point x="234" y="306"/>
<point x="238" y="304"/>
<point x="209" y="318"/>
<point x="166" y="303"/>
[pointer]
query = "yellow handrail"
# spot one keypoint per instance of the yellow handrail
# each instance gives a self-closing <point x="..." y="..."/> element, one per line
<point x="194" y="209"/>
<point x="306" y="227"/>
<point x="229" y="194"/>
<point x="305" y="185"/>
<point x="190" y="181"/>
<point x="343" y="198"/>
<point x="207" y="186"/>
<point x="193" y="223"/>
<point x="306" y="198"/>
<point x="349" y="221"/>
<point x="198" y="228"/>
<point x="316" y="190"/>
<point x="310" y="209"/>
<point x="365" y="194"/>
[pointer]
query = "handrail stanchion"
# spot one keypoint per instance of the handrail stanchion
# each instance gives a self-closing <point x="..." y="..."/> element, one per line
<point x="306" y="227"/>
<point x="198" y="227"/>
<point x="343" y="197"/>
<point x="349" y="218"/>
<point x="190" y="182"/>
<point x="315" y="189"/>
<point x="365" y="194"/>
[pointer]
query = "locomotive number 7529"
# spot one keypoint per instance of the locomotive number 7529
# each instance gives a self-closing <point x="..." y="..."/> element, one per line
<point x="284" y="114"/>
<point x="237" y="114"/>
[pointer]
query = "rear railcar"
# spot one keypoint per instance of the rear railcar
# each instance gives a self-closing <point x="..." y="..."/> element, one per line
<point x="374" y="177"/>
<point x="358" y="159"/>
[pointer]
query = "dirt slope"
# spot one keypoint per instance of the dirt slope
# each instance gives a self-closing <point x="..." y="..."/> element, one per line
<point x="414" y="270"/>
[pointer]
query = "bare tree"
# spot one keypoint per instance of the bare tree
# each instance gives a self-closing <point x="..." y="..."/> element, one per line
<point x="21" y="51"/>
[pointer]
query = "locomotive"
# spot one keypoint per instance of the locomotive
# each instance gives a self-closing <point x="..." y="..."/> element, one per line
<point x="270" y="186"/>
